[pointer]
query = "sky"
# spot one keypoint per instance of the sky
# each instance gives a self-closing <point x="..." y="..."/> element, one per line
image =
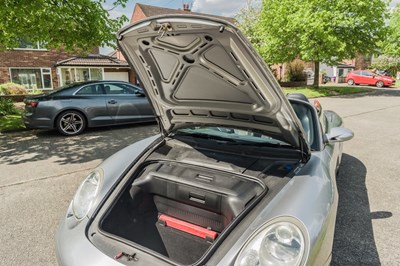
<point x="216" y="7"/>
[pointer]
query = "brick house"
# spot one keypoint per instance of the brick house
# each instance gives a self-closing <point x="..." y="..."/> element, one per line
<point x="142" y="11"/>
<point x="35" y="67"/>
<point x="93" y="67"/>
<point x="31" y="65"/>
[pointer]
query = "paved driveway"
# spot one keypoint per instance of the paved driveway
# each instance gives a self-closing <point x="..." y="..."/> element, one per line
<point x="40" y="172"/>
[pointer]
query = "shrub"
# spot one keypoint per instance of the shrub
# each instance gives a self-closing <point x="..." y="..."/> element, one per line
<point x="12" y="89"/>
<point x="274" y="72"/>
<point x="35" y="91"/>
<point x="7" y="107"/>
<point x="391" y="65"/>
<point x="295" y="71"/>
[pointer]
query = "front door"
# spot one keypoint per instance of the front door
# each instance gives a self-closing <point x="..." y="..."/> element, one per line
<point x="92" y="99"/>
<point x="368" y="78"/>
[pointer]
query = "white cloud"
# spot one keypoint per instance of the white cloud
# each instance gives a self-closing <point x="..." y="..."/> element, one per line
<point x="218" y="7"/>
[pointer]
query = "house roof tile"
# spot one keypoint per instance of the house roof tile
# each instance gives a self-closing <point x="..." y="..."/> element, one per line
<point x="93" y="60"/>
<point x="150" y="11"/>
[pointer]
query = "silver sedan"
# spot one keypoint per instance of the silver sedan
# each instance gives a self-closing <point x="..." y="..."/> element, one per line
<point x="75" y="107"/>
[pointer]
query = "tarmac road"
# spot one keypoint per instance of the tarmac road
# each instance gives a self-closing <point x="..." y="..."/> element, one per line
<point x="41" y="170"/>
<point x="368" y="220"/>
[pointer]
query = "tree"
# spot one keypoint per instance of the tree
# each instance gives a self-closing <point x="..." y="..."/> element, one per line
<point x="389" y="58"/>
<point x="390" y="46"/>
<point x="319" y="30"/>
<point x="247" y="19"/>
<point x="77" y="26"/>
<point x="390" y="64"/>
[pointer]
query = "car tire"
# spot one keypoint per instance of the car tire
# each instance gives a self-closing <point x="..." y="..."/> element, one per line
<point x="71" y="123"/>
<point x="379" y="84"/>
<point x="350" y="82"/>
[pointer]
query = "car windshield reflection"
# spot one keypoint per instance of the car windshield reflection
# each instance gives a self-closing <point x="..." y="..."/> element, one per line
<point x="231" y="135"/>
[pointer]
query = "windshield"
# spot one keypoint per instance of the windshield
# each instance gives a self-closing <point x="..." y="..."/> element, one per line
<point x="231" y="135"/>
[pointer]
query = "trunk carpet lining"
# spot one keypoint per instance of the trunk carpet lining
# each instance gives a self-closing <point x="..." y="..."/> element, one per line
<point x="135" y="218"/>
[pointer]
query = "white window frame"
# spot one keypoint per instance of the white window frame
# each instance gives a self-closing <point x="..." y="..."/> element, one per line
<point x="61" y="80"/>
<point x="39" y="48"/>
<point x="41" y="75"/>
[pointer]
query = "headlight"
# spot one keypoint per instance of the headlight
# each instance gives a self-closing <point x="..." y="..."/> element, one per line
<point x="86" y="195"/>
<point x="280" y="243"/>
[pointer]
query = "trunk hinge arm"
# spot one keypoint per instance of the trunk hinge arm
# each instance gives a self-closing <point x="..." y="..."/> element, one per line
<point x="163" y="28"/>
<point x="160" y="126"/>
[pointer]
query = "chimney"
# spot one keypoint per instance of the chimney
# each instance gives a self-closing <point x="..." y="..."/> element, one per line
<point x="186" y="7"/>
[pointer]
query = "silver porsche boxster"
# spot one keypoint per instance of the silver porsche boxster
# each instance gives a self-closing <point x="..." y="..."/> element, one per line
<point x="240" y="174"/>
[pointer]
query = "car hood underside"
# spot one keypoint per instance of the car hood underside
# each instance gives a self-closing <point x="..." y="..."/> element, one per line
<point x="202" y="71"/>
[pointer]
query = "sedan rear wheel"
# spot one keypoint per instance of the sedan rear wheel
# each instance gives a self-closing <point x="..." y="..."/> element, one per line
<point x="71" y="123"/>
<point x="350" y="82"/>
<point x="379" y="84"/>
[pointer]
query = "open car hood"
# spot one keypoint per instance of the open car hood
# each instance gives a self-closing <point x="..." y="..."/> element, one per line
<point x="199" y="70"/>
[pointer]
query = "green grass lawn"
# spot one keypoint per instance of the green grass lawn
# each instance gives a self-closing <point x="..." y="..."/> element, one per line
<point x="311" y="92"/>
<point x="11" y="122"/>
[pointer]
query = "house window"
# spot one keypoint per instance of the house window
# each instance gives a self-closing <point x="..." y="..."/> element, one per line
<point x="28" y="45"/>
<point x="78" y="74"/>
<point x="32" y="78"/>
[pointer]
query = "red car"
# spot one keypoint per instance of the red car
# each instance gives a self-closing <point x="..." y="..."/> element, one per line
<point x="368" y="77"/>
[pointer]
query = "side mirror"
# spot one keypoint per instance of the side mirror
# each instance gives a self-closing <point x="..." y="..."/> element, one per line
<point x="338" y="134"/>
<point x="140" y="93"/>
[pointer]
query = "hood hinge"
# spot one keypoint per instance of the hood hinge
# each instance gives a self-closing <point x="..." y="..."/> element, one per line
<point x="162" y="129"/>
<point x="163" y="28"/>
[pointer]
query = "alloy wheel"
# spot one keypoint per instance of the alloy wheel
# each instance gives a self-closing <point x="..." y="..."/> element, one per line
<point x="379" y="84"/>
<point x="71" y="123"/>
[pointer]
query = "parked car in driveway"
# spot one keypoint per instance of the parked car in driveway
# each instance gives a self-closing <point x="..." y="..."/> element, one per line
<point x="370" y="78"/>
<point x="75" y="107"/>
<point x="325" y="79"/>
<point x="239" y="175"/>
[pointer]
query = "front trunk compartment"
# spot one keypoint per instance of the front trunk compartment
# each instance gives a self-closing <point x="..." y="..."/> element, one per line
<point x="181" y="202"/>
<point x="202" y="199"/>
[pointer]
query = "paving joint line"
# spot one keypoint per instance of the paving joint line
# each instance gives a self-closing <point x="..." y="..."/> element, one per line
<point x="372" y="111"/>
<point x="42" y="178"/>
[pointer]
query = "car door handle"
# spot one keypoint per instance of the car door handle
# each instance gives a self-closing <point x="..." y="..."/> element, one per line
<point x="112" y="101"/>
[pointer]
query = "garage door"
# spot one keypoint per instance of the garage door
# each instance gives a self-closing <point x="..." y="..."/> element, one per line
<point x="124" y="76"/>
